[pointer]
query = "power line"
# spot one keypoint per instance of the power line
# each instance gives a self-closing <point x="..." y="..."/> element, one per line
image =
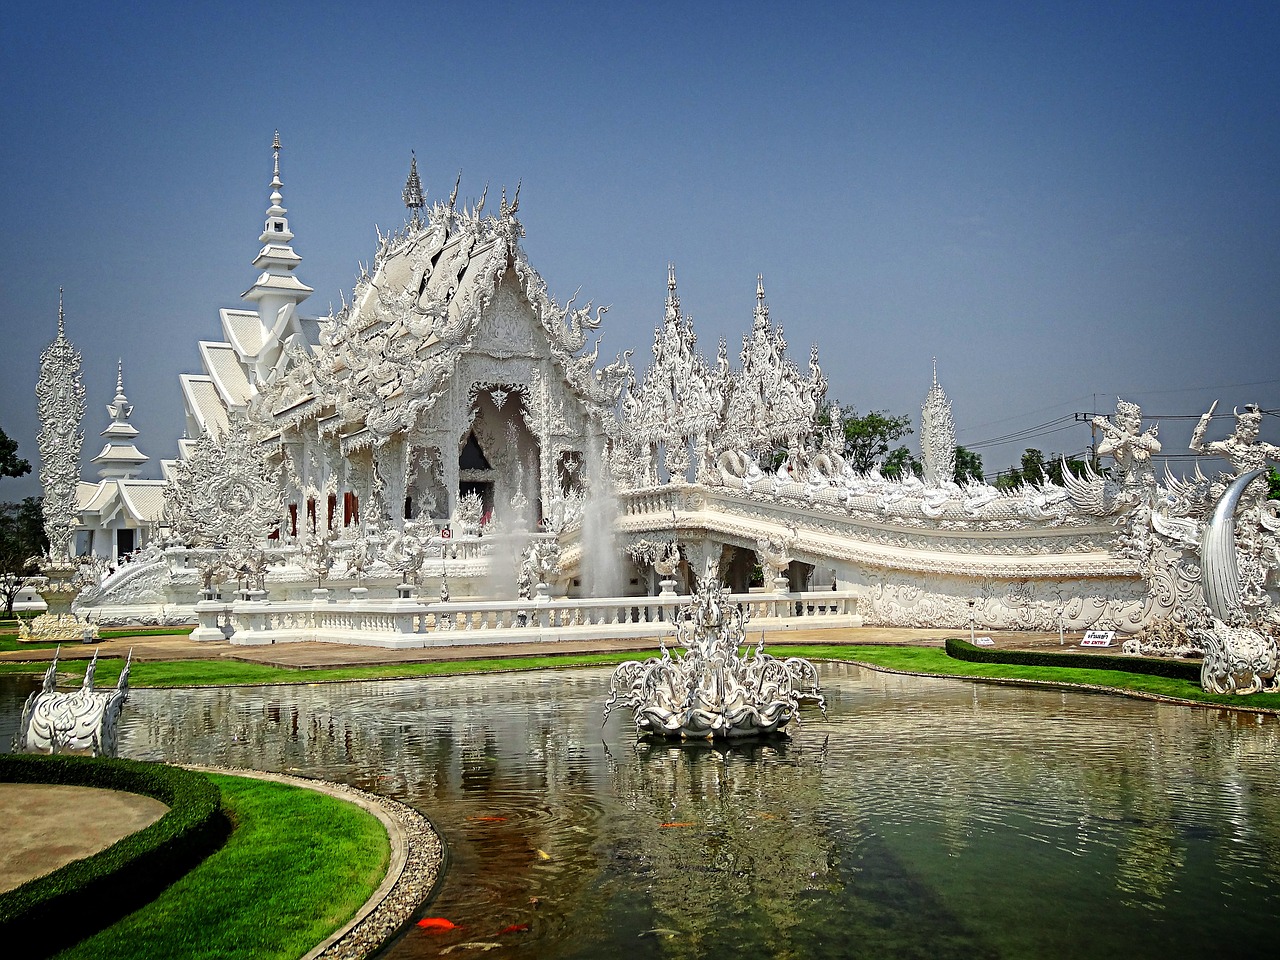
<point x="1030" y="433"/>
<point x="1050" y="427"/>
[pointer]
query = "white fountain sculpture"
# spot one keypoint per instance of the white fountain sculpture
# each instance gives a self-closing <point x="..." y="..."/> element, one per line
<point x="84" y="720"/>
<point x="711" y="690"/>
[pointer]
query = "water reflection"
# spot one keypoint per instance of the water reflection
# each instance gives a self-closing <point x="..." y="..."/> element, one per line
<point x="922" y="818"/>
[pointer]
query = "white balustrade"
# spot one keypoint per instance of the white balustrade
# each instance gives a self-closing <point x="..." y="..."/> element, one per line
<point x="402" y="623"/>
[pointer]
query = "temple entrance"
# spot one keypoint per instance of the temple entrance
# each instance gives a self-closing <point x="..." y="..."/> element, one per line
<point x="124" y="543"/>
<point x="500" y="460"/>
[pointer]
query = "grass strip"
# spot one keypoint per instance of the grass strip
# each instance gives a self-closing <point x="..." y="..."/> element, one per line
<point x="10" y="641"/>
<point x="200" y="673"/>
<point x="933" y="660"/>
<point x="928" y="660"/>
<point x="298" y="865"/>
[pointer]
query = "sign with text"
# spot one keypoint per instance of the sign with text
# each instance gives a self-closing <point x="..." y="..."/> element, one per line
<point x="1098" y="638"/>
<point x="983" y="642"/>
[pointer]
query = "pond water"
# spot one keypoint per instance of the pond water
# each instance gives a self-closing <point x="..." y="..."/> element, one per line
<point x="921" y="818"/>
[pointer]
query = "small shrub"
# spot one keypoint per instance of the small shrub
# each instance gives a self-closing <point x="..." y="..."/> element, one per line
<point x="1174" y="669"/>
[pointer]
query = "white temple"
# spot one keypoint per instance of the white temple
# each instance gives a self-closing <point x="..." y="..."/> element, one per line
<point x="447" y="434"/>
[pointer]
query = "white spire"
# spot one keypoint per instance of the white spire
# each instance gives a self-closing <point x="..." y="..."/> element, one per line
<point x="937" y="435"/>
<point x="277" y="227"/>
<point x="120" y="458"/>
<point x="276" y="259"/>
<point x="277" y="291"/>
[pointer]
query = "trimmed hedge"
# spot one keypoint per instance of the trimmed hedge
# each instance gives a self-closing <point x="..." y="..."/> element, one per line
<point x="76" y="900"/>
<point x="1174" y="669"/>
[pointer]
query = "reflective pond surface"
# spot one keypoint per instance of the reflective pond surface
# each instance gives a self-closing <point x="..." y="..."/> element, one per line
<point x="922" y="818"/>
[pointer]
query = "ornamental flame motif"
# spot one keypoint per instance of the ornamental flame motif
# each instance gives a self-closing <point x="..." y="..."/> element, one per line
<point x="711" y="691"/>
<point x="60" y="405"/>
<point x="937" y="436"/>
<point x="224" y="495"/>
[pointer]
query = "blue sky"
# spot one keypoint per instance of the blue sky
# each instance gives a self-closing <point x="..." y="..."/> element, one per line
<point x="1061" y="202"/>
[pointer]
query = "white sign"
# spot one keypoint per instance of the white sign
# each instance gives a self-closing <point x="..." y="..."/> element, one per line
<point x="984" y="642"/>
<point x="1098" y="638"/>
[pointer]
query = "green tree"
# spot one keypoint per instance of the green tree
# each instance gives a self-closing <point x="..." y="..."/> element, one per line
<point x="22" y="543"/>
<point x="11" y="465"/>
<point x="898" y="462"/>
<point x="1033" y="465"/>
<point x="1273" y="483"/>
<point x="1036" y="468"/>
<point x="868" y="440"/>
<point x="968" y="465"/>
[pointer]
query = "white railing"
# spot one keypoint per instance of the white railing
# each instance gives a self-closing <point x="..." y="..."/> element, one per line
<point x="408" y="623"/>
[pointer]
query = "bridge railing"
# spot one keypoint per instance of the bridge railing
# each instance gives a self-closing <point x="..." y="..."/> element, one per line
<point x="405" y="623"/>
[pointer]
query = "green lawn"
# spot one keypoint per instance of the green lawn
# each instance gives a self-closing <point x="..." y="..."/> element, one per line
<point x="297" y="866"/>
<point x="9" y="638"/>
<point x="190" y="673"/>
<point x="932" y="660"/>
<point x="935" y="660"/>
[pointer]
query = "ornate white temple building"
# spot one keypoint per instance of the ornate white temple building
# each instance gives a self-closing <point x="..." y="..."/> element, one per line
<point x="447" y="433"/>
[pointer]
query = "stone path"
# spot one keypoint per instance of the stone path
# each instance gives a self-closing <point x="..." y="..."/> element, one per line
<point x="46" y="826"/>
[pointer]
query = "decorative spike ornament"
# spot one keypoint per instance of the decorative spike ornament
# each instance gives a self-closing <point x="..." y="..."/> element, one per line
<point x="414" y="198"/>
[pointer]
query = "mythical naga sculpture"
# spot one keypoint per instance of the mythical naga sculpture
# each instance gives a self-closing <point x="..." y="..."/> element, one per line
<point x="85" y="720"/>
<point x="711" y="691"/>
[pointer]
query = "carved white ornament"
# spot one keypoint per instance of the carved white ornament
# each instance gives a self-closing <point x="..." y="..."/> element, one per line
<point x="60" y="406"/>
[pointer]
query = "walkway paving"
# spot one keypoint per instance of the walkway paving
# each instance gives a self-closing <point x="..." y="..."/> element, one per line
<point x="46" y="826"/>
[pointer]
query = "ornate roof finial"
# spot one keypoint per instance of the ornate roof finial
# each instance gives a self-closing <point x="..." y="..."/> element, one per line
<point x="276" y="210"/>
<point x="480" y="206"/>
<point x="673" y="301"/>
<point x="414" y="198"/>
<point x="119" y="379"/>
<point x="935" y="373"/>
<point x="762" y="309"/>
<point x="61" y="316"/>
<point x="457" y="183"/>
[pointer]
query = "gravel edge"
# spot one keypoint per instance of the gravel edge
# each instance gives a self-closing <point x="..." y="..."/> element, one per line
<point x="417" y="857"/>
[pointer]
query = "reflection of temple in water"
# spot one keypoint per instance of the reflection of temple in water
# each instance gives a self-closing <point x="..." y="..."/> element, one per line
<point x="923" y="795"/>
<point x="712" y="824"/>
